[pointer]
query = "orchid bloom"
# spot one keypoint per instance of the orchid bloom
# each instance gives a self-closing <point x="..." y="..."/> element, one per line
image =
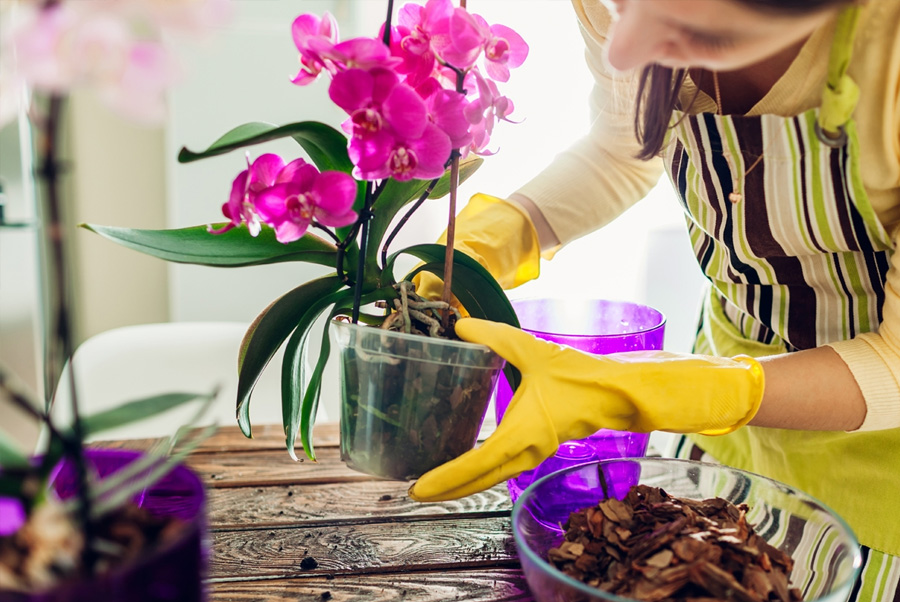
<point x="485" y="110"/>
<point x="240" y="208"/>
<point x="417" y="27"/>
<point x="288" y="198"/>
<point x="313" y="37"/>
<point x="302" y="195"/>
<point x="446" y="109"/>
<point x="470" y="34"/>
<point x="504" y="49"/>
<point x="391" y="134"/>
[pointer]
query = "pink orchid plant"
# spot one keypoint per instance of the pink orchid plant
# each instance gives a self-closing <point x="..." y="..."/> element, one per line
<point x="421" y="99"/>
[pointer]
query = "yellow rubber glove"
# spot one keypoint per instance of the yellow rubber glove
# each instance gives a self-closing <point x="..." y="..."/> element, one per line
<point x="497" y="234"/>
<point x="567" y="394"/>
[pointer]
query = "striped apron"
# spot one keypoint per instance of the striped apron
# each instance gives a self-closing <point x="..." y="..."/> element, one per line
<point x="797" y="260"/>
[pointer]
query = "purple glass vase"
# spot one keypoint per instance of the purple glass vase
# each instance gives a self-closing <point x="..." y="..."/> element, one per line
<point x="175" y="572"/>
<point x="592" y="326"/>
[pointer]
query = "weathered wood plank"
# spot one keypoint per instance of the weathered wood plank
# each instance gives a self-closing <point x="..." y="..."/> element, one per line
<point x="230" y="438"/>
<point x="275" y="467"/>
<point x="474" y="585"/>
<point x="289" y="504"/>
<point x="344" y="547"/>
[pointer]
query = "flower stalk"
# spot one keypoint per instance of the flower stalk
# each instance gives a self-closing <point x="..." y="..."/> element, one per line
<point x="58" y="345"/>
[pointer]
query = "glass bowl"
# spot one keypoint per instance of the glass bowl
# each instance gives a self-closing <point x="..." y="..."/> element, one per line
<point x="824" y="550"/>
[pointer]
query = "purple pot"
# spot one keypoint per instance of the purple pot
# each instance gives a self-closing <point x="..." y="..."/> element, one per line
<point x="172" y="573"/>
<point x="592" y="326"/>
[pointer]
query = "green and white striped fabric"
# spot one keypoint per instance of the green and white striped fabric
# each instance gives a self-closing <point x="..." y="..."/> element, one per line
<point x="800" y="260"/>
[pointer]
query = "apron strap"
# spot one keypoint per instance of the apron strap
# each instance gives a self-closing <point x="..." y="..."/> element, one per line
<point x="841" y="93"/>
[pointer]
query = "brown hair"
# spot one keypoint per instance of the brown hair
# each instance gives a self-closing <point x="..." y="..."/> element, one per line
<point x="659" y="87"/>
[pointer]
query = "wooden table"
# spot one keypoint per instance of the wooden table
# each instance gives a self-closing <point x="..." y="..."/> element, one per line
<point x="283" y="530"/>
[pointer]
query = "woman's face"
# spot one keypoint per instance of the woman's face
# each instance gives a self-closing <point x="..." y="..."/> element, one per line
<point x="721" y="35"/>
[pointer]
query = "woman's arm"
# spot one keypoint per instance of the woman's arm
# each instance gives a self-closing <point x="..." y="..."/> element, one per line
<point x="810" y="390"/>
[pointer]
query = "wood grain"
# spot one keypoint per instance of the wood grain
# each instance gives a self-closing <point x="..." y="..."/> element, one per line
<point x="371" y="542"/>
<point x="290" y="504"/>
<point x="345" y="547"/>
<point x="473" y="585"/>
<point x="263" y="468"/>
<point x="230" y="439"/>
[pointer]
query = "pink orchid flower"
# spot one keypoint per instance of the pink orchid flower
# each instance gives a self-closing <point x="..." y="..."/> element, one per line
<point x="446" y="109"/>
<point x="247" y="186"/>
<point x="504" y="49"/>
<point x="302" y="195"/>
<point x="424" y="157"/>
<point x="313" y="37"/>
<point x="362" y="53"/>
<point x="464" y="42"/>
<point x="470" y="34"/>
<point x="391" y="133"/>
<point x="412" y="39"/>
<point x="485" y="110"/>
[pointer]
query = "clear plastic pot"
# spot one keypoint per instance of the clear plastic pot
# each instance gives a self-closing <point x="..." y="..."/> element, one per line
<point x="409" y="403"/>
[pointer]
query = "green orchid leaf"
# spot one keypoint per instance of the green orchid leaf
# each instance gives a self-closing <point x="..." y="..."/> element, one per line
<point x="11" y="485"/>
<point x="137" y="410"/>
<point x="473" y="285"/>
<point x="326" y="146"/>
<point x="397" y="195"/>
<point x="235" y="248"/>
<point x="11" y="457"/>
<point x="311" y="396"/>
<point x="270" y="329"/>
<point x="296" y="409"/>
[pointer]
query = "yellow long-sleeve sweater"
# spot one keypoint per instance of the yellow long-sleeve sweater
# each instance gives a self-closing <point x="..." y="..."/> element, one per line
<point x="596" y="179"/>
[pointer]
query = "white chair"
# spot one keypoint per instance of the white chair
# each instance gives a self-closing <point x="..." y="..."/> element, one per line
<point x="132" y="362"/>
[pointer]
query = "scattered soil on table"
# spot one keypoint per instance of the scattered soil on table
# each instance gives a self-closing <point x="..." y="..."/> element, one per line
<point x="309" y="563"/>
<point x="658" y="548"/>
<point x="46" y="551"/>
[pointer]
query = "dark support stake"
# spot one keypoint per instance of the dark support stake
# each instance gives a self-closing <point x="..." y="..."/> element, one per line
<point x="59" y="345"/>
<point x="364" y="217"/>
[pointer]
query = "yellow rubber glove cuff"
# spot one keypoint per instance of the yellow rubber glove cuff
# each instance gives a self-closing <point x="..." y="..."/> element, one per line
<point x="566" y="394"/>
<point x="497" y="234"/>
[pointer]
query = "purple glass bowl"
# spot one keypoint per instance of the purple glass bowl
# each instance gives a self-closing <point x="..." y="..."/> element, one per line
<point x="824" y="549"/>
<point x="597" y="327"/>
<point x="172" y="573"/>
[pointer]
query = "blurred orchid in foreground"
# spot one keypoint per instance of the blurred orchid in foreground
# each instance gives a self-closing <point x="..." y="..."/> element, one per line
<point x="115" y="47"/>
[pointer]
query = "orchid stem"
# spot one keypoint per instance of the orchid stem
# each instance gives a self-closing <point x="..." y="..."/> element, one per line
<point x="387" y="243"/>
<point x="364" y="216"/>
<point x="59" y="345"/>
<point x="387" y="23"/>
<point x="331" y="235"/>
<point x="446" y="295"/>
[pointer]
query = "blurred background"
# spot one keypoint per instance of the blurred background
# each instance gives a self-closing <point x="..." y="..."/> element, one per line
<point x="126" y="175"/>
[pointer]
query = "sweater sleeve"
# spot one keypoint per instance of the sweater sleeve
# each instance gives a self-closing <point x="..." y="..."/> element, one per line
<point x="874" y="358"/>
<point x="597" y="178"/>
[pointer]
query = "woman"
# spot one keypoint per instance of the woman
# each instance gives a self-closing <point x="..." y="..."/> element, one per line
<point x="778" y="122"/>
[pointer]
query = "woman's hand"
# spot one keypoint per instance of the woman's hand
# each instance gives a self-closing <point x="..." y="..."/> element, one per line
<point x="566" y="394"/>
